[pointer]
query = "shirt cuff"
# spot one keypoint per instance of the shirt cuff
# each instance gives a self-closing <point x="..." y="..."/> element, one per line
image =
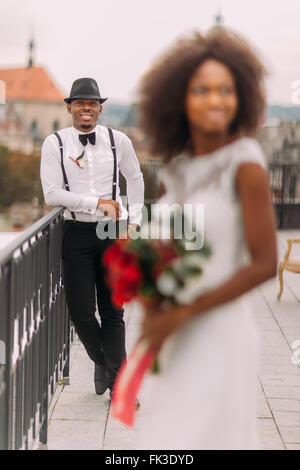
<point x="135" y="214"/>
<point x="90" y="204"/>
<point x="135" y="220"/>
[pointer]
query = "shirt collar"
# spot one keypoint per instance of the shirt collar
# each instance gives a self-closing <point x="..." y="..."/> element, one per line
<point x="77" y="132"/>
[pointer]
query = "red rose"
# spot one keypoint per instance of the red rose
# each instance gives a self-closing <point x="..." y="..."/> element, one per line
<point x="123" y="292"/>
<point x="117" y="300"/>
<point x="124" y="276"/>
<point x="132" y="274"/>
<point x="119" y="264"/>
<point x="113" y="252"/>
<point x="166" y="253"/>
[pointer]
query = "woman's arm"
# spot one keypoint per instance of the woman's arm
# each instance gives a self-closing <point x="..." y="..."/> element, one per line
<point x="260" y="234"/>
<point x="259" y="227"/>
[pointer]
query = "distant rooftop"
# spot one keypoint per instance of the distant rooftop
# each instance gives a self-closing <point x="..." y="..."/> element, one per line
<point x="30" y="84"/>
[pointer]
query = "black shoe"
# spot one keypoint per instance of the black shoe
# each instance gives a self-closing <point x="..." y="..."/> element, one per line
<point x="137" y="402"/>
<point x="101" y="378"/>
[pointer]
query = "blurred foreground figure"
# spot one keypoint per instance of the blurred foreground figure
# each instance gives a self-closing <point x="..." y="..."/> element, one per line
<point x="202" y="103"/>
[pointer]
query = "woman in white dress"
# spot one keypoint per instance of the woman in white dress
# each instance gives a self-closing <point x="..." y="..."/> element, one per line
<point x="202" y="102"/>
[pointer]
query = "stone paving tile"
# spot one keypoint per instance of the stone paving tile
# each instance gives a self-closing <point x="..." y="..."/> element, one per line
<point x="292" y="331"/>
<point x="287" y="418"/>
<point x="280" y="380"/>
<point x="81" y="406"/>
<point x="285" y="311"/>
<point x="290" y="434"/>
<point x="280" y="370"/>
<point x="73" y="354"/>
<point x="291" y="323"/>
<point x="293" y="446"/>
<point x="263" y="409"/>
<point x="82" y="355"/>
<point x="282" y="391"/>
<point x="270" y="438"/>
<point x="119" y="436"/>
<point x="54" y="399"/>
<point x="75" y="435"/>
<point x="282" y="350"/>
<point x="267" y="325"/>
<point x="81" y="375"/>
<point x="275" y="359"/>
<point x="259" y="385"/>
<point x="292" y="338"/>
<point x="274" y="338"/>
<point x="279" y="404"/>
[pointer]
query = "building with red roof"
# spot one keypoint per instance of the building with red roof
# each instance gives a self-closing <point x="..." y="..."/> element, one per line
<point x="33" y="108"/>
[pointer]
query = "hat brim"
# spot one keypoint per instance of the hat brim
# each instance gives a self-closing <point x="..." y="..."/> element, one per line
<point x="85" y="97"/>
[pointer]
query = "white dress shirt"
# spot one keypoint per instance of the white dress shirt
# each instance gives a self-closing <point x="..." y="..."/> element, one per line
<point x="93" y="180"/>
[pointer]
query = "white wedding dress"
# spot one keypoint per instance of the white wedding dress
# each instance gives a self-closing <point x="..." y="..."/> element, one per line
<point x="205" y="395"/>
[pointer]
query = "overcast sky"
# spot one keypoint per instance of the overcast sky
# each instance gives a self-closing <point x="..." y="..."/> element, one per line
<point x="115" y="40"/>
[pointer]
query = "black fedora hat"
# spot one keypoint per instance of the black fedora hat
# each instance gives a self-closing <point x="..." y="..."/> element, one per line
<point x="85" y="88"/>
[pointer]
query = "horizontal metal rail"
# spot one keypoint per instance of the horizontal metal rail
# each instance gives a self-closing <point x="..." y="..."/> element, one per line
<point x="34" y="331"/>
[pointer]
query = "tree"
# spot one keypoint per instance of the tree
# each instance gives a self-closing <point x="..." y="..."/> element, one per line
<point x="19" y="178"/>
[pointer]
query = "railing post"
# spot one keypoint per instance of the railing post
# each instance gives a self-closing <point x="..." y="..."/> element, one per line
<point x="66" y="369"/>
<point x="43" y="435"/>
<point x="7" y="411"/>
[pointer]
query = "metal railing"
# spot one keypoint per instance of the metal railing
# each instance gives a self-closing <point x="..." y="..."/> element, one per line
<point x="284" y="182"/>
<point x="34" y="329"/>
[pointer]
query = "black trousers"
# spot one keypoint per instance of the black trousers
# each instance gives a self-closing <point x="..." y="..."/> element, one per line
<point x="84" y="281"/>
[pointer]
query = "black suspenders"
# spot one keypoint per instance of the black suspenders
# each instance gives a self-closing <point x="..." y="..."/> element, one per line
<point x="61" y="148"/>
<point x="113" y="148"/>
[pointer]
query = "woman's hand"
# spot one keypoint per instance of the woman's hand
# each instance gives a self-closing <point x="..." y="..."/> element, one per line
<point x="159" y="323"/>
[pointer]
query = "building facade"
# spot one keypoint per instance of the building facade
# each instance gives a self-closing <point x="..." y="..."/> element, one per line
<point x="33" y="108"/>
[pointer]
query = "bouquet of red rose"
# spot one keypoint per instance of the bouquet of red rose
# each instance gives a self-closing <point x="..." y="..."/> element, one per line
<point x="151" y="270"/>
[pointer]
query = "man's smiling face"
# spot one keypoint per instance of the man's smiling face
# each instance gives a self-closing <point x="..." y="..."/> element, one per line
<point x="85" y="113"/>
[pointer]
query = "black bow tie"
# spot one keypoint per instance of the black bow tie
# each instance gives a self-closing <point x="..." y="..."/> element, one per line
<point x="84" y="138"/>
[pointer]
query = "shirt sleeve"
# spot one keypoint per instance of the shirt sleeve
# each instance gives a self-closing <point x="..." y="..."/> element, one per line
<point x="53" y="183"/>
<point x="130" y="169"/>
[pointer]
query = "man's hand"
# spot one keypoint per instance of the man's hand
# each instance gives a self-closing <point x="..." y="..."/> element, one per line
<point x="110" y="208"/>
<point x="129" y="231"/>
<point x="132" y="228"/>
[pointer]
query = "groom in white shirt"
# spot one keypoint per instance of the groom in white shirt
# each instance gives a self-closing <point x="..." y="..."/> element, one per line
<point x="79" y="171"/>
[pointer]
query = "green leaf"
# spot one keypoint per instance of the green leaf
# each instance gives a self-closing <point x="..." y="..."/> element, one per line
<point x="146" y="253"/>
<point x="80" y="156"/>
<point x="155" y="369"/>
<point x="192" y="270"/>
<point x="148" y="290"/>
